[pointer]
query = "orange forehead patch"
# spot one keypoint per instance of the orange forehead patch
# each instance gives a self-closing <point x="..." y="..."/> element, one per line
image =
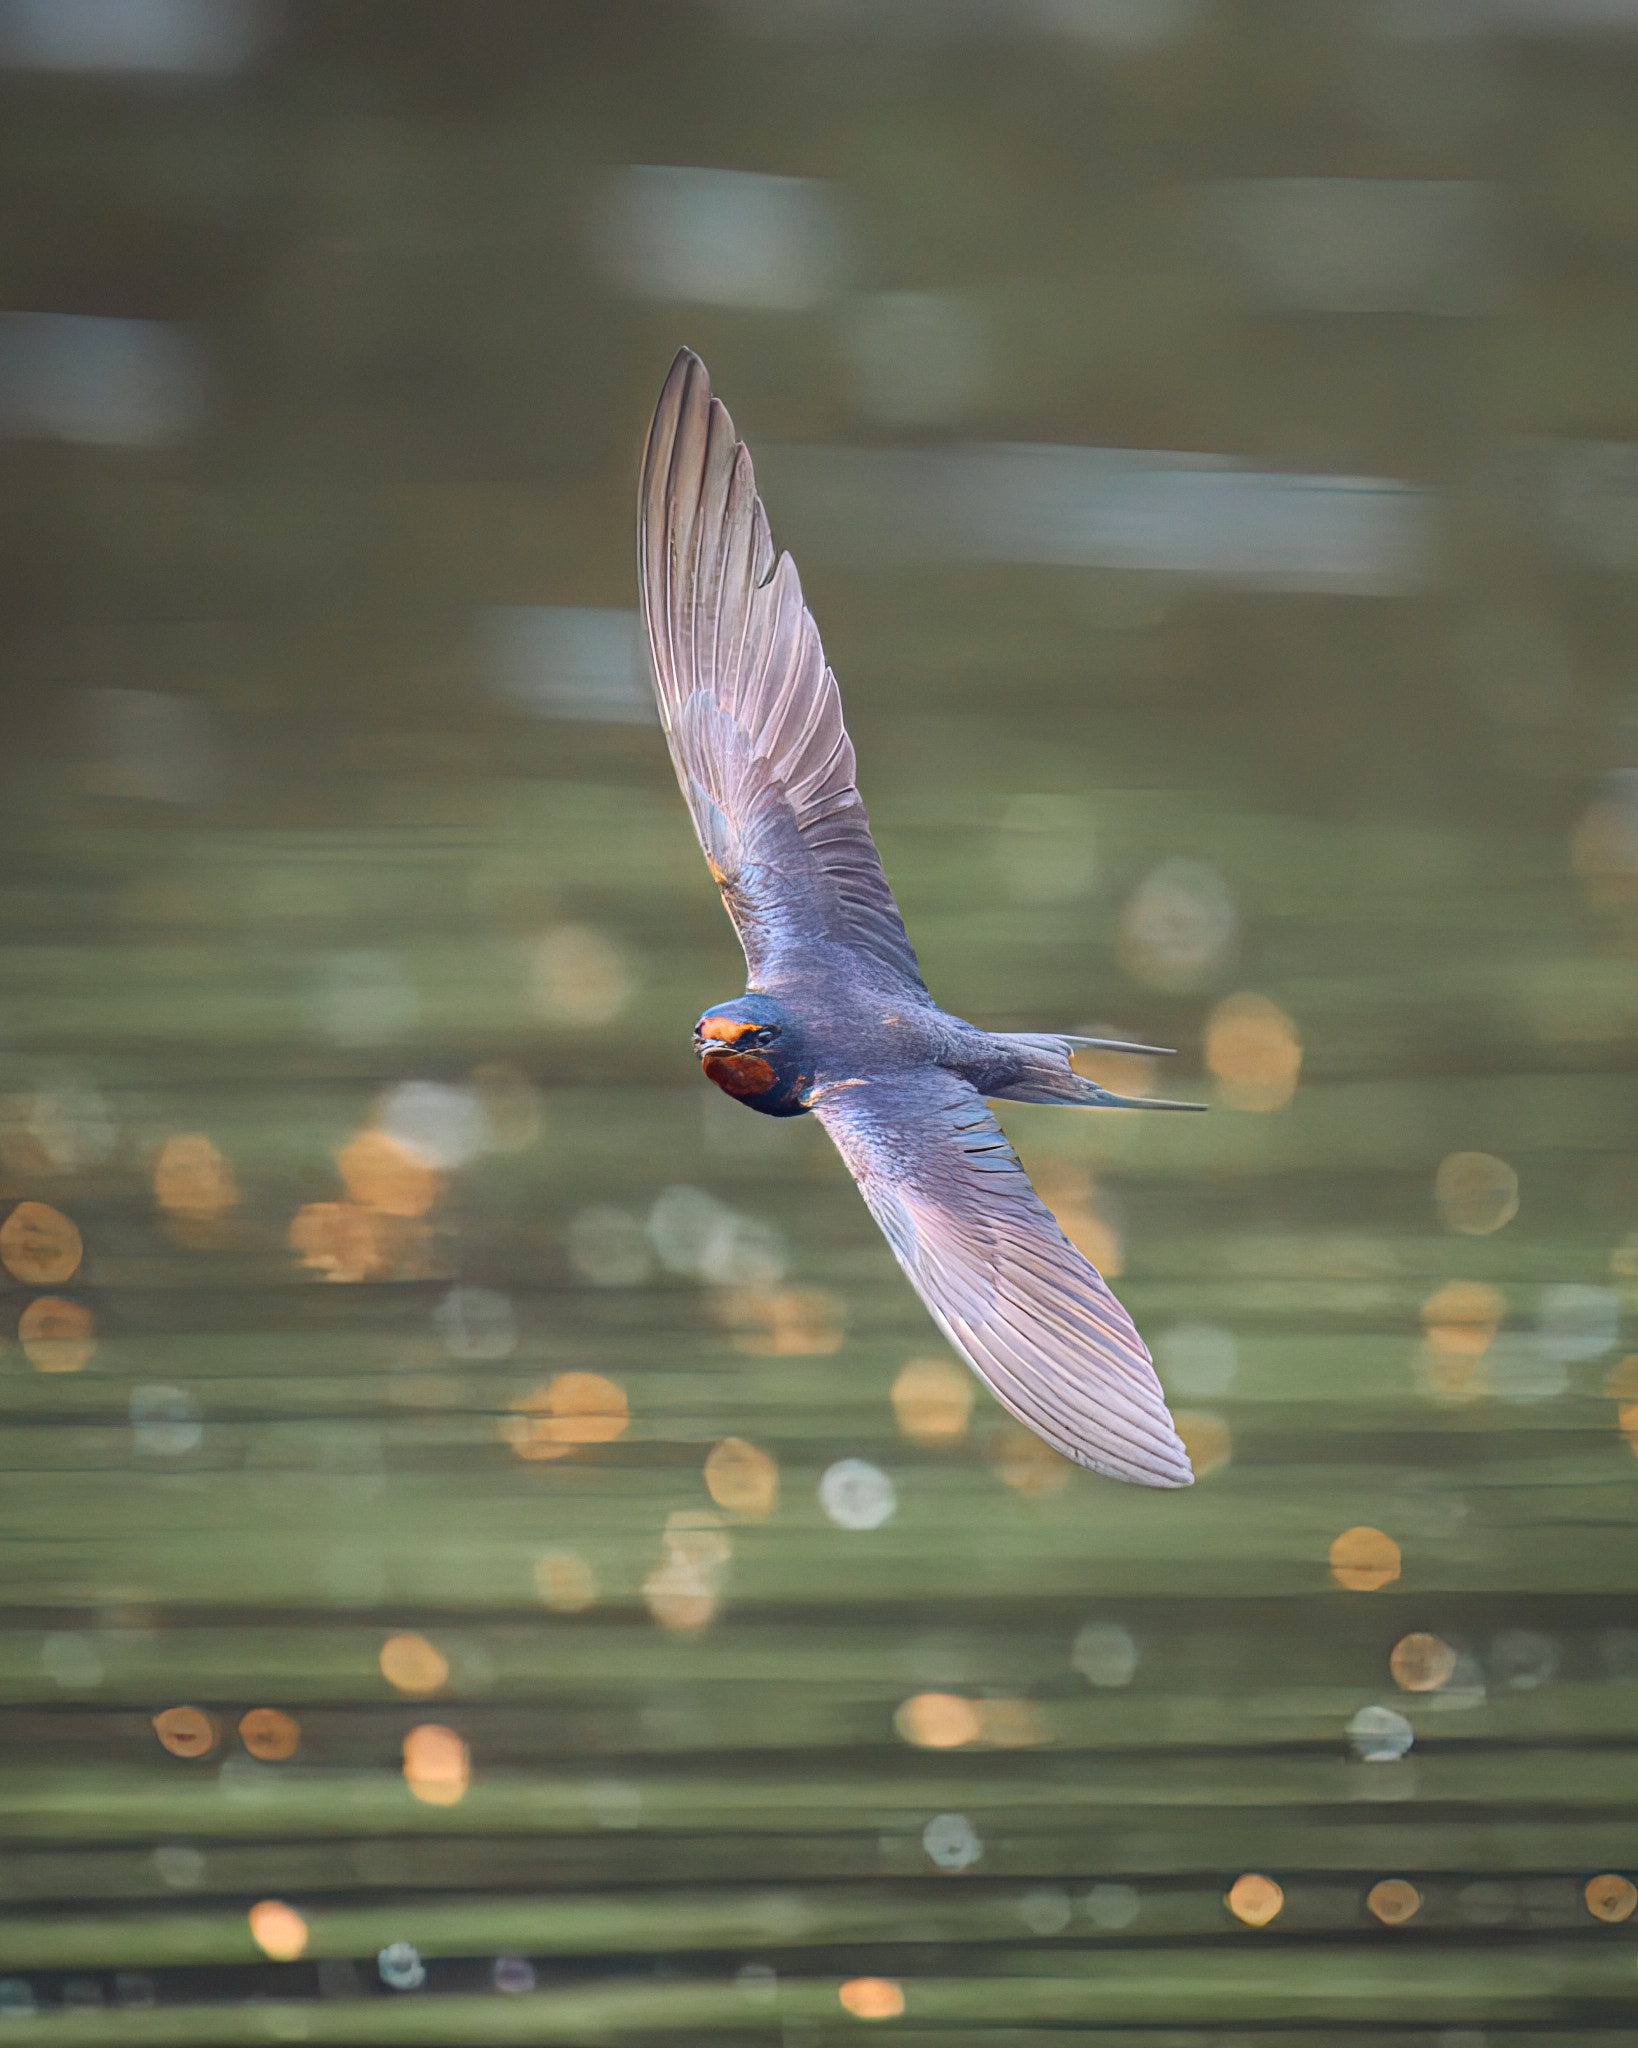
<point x="738" y="1073"/>
<point x="729" y="1029"/>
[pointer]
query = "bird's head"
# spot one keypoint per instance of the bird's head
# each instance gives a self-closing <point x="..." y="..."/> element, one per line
<point x="752" y="1049"/>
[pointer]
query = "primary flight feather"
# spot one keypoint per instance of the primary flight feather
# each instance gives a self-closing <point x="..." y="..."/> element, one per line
<point x="837" y="1019"/>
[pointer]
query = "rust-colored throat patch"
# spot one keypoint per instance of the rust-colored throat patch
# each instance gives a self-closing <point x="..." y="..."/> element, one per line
<point x="738" y="1073"/>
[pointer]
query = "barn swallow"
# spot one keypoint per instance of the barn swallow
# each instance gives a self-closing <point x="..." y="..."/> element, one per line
<point x="836" y="1018"/>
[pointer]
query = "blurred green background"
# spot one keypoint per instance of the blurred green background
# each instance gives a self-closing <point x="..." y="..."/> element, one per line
<point x="1208" y="430"/>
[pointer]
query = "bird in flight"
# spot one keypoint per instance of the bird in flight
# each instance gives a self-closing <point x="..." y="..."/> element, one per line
<point x="836" y="1018"/>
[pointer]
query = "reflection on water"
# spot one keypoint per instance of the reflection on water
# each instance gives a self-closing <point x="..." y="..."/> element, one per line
<point x="494" y="1549"/>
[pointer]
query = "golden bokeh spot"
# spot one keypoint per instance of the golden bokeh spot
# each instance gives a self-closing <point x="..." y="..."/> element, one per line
<point x="679" y="1598"/>
<point x="937" y="1720"/>
<point x="1011" y="1724"/>
<point x="40" y="1245"/>
<point x="575" y="1408"/>
<point x="565" y="1581"/>
<point x="1362" y="1559"/>
<point x="1476" y="1193"/>
<point x="278" y="1930"/>
<point x="1068" y="1192"/>
<point x="1394" y="1901"/>
<point x="1122" y="1073"/>
<point x="383" y="1174"/>
<point x="782" y="1322"/>
<point x="192" y="1179"/>
<point x="269" y="1733"/>
<point x="1460" y="1321"/>
<point x="1422" y="1663"/>
<point x="409" y="1663"/>
<point x="1610" y="1896"/>
<point x="742" y="1479"/>
<point x="1622" y="1384"/>
<point x="683" y="1591"/>
<point x="933" y="1400"/>
<point x="1626" y="1417"/>
<point x="1029" y="1466"/>
<point x="1453" y="1379"/>
<point x="1462" y="1317"/>
<point x="187" y="1731"/>
<point x="1253" y="1048"/>
<point x="338" y="1239"/>
<point x="1207" y="1439"/>
<point x="437" y="1765"/>
<point x="1255" y="1899"/>
<point x="871" y="1998"/>
<point x="57" y="1335"/>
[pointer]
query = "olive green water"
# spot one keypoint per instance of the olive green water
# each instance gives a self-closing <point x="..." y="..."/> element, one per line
<point x="1009" y="1748"/>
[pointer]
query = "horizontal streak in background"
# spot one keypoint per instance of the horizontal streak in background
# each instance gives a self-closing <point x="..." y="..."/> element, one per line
<point x="215" y="37"/>
<point x="1107" y="508"/>
<point x="200" y="36"/>
<point x="719" y="238"/>
<point x="567" y="661"/>
<point x="1120" y="26"/>
<point x="709" y="1918"/>
<point x="1132" y="27"/>
<point x="81" y="377"/>
<point x="1362" y="245"/>
<point x="152" y="745"/>
<point x="1565" y="15"/>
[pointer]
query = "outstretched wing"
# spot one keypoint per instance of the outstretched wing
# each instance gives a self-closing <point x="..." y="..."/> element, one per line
<point x="752" y="714"/>
<point x="1027" y="1311"/>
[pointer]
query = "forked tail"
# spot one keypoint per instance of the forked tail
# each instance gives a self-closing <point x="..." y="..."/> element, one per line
<point x="1048" y="1077"/>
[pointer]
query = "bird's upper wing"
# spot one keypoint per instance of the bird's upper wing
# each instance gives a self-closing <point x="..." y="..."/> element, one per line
<point x="751" y="712"/>
<point x="1027" y="1311"/>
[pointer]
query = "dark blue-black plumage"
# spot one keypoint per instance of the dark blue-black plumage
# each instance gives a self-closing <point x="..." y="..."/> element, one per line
<point x="837" y="1019"/>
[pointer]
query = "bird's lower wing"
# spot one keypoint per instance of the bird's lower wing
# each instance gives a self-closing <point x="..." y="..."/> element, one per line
<point x="1027" y="1311"/>
<point x="752" y="714"/>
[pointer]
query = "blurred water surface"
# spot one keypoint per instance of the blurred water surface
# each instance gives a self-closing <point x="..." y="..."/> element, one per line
<point x="493" y="1550"/>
